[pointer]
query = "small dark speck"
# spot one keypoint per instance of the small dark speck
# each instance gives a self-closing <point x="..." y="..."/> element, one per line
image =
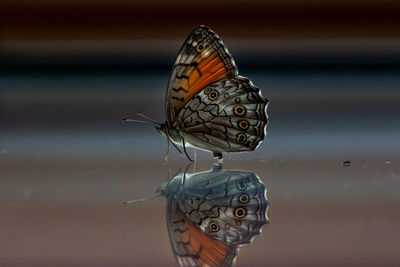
<point x="346" y="163"/>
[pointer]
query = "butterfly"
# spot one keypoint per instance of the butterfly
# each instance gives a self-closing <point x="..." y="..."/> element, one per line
<point x="208" y="105"/>
<point x="211" y="214"/>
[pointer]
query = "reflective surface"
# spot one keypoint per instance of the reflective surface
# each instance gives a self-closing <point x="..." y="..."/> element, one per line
<point x="211" y="214"/>
<point x="67" y="165"/>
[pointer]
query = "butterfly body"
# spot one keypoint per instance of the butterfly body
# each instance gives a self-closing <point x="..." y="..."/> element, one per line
<point x="211" y="214"/>
<point x="208" y="105"/>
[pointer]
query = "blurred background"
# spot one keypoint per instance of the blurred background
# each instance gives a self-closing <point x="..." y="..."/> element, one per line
<point x="70" y="70"/>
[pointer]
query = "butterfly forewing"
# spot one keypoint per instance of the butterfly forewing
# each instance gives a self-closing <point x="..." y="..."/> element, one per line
<point x="202" y="60"/>
<point x="191" y="246"/>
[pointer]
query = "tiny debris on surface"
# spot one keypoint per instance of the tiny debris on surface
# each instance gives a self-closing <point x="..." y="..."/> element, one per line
<point x="346" y="163"/>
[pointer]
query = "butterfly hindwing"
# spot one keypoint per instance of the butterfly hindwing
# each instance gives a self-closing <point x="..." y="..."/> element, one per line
<point x="228" y="115"/>
<point x="229" y="206"/>
<point x="202" y="60"/>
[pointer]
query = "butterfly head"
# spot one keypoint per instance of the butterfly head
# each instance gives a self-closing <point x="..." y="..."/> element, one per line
<point x="169" y="132"/>
<point x="162" y="189"/>
<point x="170" y="188"/>
<point x="162" y="129"/>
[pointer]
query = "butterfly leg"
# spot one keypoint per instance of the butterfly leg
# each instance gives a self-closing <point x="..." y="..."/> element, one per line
<point x="184" y="149"/>
<point x="218" y="156"/>
<point x="217" y="166"/>
<point x="169" y="171"/>
<point x="184" y="174"/>
<point x="166" y="155"/>
<point x="194" y="154"/>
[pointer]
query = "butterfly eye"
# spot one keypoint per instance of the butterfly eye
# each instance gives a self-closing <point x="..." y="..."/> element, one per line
<point x="243" y="198"/>
<point x="240" y="212"/>
<point x="241" y="138"/>
<point x="213" y="95"/>
<point x="214" y="227"/>
<point x="241" y="185"/>
<point x="239" y="110"/>
<point x="207" y="91"/>
<point x="243" y="124"/>
<point x="199" y="47"/>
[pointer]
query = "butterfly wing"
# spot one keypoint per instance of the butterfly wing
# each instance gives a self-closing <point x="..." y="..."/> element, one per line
<point x="191" y="246"/>
<point x="227" y="116"/>
<point x="202" y="60"/>
<point x="229" y="206"/>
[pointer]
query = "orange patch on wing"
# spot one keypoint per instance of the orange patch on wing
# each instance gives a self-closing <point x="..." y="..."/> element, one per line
<point x="205" y="60"/>
<point x="185" y="236"/>
<point x="211" y="252"/>
<point x="185" y="85"/>
<point x="212" y="75"/>
<point x="205" y="68"/>
<point x="216" y="74"/>
<point x="194" y="77"/>
<point x="209" y="70"/>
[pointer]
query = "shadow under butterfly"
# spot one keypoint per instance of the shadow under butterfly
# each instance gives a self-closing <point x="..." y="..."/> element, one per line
<point x="211" y="214"/>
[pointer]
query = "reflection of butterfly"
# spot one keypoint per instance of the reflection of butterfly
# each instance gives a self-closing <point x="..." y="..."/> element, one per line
<point x="208" y="105"/>
<point x="211" y="214"/>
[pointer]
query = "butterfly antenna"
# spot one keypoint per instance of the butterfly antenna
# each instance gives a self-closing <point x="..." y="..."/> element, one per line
<point x="149" y="119"/>
<point x="132" y="120"/>
<point x="130" y="202"/>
